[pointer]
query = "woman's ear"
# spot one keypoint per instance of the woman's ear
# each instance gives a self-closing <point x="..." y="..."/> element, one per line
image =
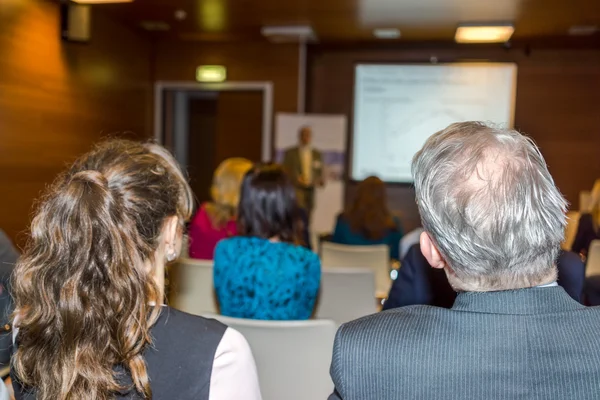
<point x="171" y="237"/>
<point x="430" y="251"/>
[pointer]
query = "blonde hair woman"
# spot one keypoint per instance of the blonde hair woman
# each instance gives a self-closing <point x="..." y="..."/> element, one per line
<point x="216" y="220"/>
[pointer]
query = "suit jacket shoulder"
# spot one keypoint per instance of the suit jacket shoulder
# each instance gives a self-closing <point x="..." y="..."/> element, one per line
<point x="537" y="352"/>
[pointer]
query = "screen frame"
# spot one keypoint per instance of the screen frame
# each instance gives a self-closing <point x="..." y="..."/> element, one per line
<point x="470" y="63"/>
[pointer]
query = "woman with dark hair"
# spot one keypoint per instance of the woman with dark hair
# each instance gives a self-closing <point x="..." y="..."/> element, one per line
<point x="265" y="273"/>
<point x="368" y="220"/>
<point x="90" y="318"/>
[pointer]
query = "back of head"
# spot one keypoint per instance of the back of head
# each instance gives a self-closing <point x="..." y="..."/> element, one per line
<point x="489" y="204"/>
<point x="368" y="214"/>
<point x="268" y="207"/>
<point x="225" y="190"/>
<point x="84" y="287"/>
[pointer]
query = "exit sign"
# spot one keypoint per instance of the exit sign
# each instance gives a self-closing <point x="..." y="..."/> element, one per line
<point x="211" y="73"/>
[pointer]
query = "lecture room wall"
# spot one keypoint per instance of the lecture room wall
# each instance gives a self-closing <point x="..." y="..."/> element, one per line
<point x="58" y="98"/>
<point x="558" y="98"/>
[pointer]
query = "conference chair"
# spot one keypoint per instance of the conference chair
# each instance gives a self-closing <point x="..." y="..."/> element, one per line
<point x="191" y="286"/>
<point x="570" y="230"/>
<point x="585" y="200"/>
<point x="376" y="257"/>
<point x="346" y="294"/>
<point x="408" y="240"/>
<point x="592" y="266"/>
<point x="292" y="357"/>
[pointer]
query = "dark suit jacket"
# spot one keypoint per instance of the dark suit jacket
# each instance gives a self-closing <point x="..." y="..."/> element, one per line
<point x="419" y="283"/>
<point x="585" y="234"/>
<point x="528" y="344"/>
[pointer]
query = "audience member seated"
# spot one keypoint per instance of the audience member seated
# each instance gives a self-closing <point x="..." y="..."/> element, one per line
<point x="8" y="257"/>
<point x="419" y="283"/>
<point x="89" y="291"/>
<point x="587" y="227"/>
<point x="264" y="273"/>
<point x="368" y="221"/>
<point x="494" y="222"/>
<point x="215" y="220"/>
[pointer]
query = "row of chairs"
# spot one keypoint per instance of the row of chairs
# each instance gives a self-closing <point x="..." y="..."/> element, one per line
<point x="293" y="357"/>
<point x="345" y="294"/>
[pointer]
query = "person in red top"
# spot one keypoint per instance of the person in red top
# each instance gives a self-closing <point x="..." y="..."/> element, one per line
<point x="216" y="220"/>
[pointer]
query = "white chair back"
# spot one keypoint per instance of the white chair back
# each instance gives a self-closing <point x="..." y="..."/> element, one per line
<point x="191" y="286"/>
<point x="570" y="230"/>
<point x="292" y="357"/>
<point x="592" y="266"/>
<point x="185" y="247"/>
<point x="585" y="200"/>
<point x="411" y="238"/>
<point x="346" y="294"/>
<point x="376" y="257"/>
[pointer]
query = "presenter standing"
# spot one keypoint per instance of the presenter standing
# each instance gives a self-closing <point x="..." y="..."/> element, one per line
<point x="304" y="165"/>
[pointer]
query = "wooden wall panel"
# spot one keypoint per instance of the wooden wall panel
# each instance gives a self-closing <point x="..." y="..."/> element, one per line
<point x="558" y="103"/>
<point x="58" y="98"/>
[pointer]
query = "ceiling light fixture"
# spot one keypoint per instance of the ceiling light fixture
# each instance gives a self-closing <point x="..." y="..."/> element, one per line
<point x="101" y="1"/>
<point x="386" y="33"/>
<point x="484" y="33"/>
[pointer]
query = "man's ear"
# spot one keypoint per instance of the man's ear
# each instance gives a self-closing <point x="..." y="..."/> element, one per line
<point x="430" y="252"/>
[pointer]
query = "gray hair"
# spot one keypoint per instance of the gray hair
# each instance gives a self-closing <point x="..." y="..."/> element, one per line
<point x="490" y="205"/>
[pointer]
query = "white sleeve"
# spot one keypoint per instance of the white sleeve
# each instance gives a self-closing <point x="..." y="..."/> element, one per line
<point x="234" y="373"/>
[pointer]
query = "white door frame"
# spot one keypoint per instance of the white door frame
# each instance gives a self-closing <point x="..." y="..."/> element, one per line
<point x="265" y="87"/>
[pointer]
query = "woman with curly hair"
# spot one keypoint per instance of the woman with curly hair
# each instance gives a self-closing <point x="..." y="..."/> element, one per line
<point x="90" y="319"/>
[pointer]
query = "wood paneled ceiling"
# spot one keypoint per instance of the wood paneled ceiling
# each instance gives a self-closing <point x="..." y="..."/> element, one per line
<point x="354" y="20"/>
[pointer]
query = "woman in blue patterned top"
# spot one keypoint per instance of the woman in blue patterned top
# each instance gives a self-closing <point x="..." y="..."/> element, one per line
<point x="265" y="273"/>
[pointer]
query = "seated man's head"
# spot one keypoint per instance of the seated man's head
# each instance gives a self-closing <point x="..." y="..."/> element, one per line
<point x="493" y="218"/>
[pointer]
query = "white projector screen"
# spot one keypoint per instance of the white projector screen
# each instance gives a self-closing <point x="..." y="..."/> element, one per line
<point x="397" y="107"/>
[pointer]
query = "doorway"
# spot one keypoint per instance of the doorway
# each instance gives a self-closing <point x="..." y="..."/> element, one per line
<point x="204" y="124"/>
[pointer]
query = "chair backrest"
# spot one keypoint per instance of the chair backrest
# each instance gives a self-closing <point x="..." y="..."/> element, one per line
<point x="411" y="238"/>
<point x="346" y="294"/>
<point x="376" y="257"/>
<point x="191" y="286"/>
<point x="570" y="230"/>
<point x="292" y="357"/>
<point x="585" y="200"/>
<point x="592" y="266"/>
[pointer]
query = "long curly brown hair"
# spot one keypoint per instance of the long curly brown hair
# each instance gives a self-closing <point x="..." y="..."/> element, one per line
<point x="369" y="214"/>
<point x="84" y="287"/>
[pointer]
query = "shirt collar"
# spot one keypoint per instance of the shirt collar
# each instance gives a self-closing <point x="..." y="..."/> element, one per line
<point x="551" y="284"/>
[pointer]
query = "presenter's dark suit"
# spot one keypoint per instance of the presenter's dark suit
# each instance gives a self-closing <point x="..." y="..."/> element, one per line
<point x="528" y="344"/>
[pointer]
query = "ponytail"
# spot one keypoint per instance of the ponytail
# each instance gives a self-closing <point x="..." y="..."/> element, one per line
<point x="85" y="296"/>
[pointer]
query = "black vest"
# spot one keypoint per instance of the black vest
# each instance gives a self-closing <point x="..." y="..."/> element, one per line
<point x="179" y="361"/>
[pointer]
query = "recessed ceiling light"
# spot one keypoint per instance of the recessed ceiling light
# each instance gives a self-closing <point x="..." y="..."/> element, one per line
<point x="386" y="33"/>
<point x="484" y="33"/>
<point x="583" y="30"/>
<point x="101" y="1"/>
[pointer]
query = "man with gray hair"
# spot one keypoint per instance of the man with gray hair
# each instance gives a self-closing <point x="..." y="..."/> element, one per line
<point x="494" y="222"/>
